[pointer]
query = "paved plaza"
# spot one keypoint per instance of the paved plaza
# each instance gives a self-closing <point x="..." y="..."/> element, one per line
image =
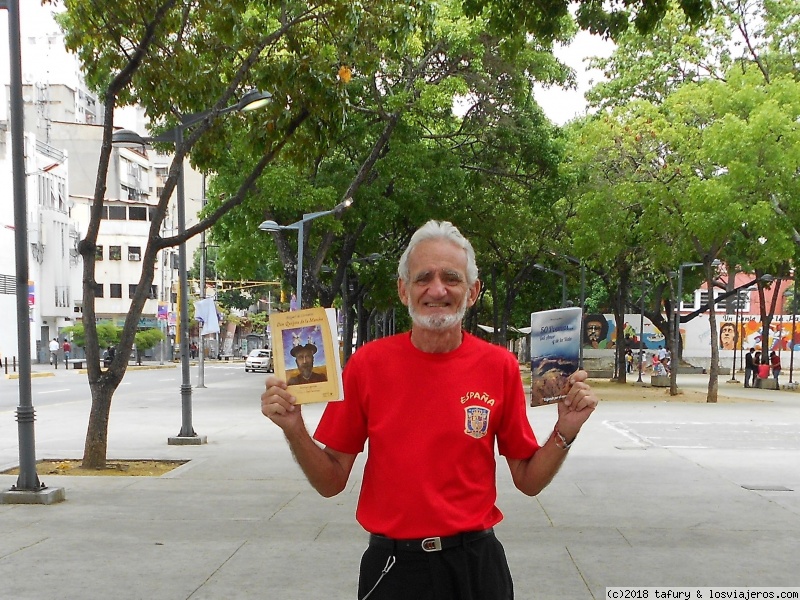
<point x="653" y="494"/>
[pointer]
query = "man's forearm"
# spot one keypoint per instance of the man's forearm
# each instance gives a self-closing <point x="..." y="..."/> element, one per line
<point x="531" y="476"/>
<point x="322" y="470"/>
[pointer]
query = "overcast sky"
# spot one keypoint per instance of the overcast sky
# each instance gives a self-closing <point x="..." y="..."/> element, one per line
<point x="563" y="105"/>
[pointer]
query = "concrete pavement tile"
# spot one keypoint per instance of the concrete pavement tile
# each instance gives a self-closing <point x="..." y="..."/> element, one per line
<point x="75" y="567"/>
<point x="689" y="558"/>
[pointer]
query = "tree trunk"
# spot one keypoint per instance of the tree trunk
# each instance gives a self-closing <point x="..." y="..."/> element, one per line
<point x="96" y="445"/>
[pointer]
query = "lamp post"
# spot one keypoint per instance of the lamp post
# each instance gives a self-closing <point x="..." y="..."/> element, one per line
<point x="675" y="359"/>
<point x="736" y="336"/>
<point x="299" y="226"/>
<point x="641" y="331"/>
<point x="125" y="138"/>
<point x="28" y="489"/>
<point x="348" y="341"/>
<point x="794" y="324"/>
<point x="563" y="281"/>
<point x="579" y="262"/>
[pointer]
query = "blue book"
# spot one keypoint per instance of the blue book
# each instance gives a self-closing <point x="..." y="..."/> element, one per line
<point x="555" y="353"/>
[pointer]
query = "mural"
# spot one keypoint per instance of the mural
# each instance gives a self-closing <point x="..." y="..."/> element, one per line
<point x="599" y="332"/>
<point x="748" y="334"/>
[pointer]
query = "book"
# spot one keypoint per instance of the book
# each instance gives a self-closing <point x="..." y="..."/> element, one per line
<point x="305" y="348"/>
<point x="555" y="353"/>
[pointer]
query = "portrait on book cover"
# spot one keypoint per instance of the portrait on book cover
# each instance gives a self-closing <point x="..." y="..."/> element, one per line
<point x="304" y="348"/>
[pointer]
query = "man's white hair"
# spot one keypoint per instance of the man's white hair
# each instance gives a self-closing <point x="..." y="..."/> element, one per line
<point x="441" y="230"/>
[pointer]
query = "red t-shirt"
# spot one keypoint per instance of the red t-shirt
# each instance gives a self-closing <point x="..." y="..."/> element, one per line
<point x="432" y="421"/>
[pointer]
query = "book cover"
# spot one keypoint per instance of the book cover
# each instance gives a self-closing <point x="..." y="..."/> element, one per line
<point x="555" y="353"/>
<point x="305" y="348"/>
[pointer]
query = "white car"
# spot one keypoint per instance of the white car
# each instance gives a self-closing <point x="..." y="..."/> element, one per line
<point x="259" y="359"/>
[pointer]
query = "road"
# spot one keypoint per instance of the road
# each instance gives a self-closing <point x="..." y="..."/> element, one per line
<point x="63" y="403"/>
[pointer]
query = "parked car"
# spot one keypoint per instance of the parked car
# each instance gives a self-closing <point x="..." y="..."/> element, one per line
<point x="259" y="359"/>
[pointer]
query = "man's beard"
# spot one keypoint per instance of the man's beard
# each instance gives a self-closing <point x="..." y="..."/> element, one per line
<point x="438" y="322"/>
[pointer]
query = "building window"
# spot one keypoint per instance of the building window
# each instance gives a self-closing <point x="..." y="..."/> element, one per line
<point x="117" y="213"/>
<point x="98" y="253"/>
<point x="131" y="290"/>
<point x="115" y="290"/>
<point x="137" y="213"/>
<point x="134" y="253"/>
<point x="115" y="253"/>
<point x="718" y="306"/>
<point x="98" y="291"/>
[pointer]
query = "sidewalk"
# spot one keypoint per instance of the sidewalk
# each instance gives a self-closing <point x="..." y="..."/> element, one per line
<point x="652" y="494"/>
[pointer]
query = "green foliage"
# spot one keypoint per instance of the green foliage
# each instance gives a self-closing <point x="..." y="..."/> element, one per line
<point x="148" y="338"/>
<point x="548" y="19"/>
<point x="107" y="334"/>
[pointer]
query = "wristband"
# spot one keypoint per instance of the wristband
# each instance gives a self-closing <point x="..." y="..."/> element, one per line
<point x="561" y="441"/>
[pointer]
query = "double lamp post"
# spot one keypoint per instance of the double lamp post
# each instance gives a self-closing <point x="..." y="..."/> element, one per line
<point x="299" y="226"/>
<point x="126" y="138"/>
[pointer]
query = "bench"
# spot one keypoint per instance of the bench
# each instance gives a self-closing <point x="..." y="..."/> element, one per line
<point x="766" y="384"/>
<point x="77" y="363"/>
<point x="659" y="380"/>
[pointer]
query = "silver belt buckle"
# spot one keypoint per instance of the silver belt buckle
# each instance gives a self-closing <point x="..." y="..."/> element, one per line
<point x="432" y="544"/>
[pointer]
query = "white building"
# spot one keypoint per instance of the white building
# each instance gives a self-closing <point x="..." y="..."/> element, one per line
<point x="62" y="120"/>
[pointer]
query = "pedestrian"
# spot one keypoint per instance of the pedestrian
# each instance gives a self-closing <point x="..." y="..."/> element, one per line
<point x="67" y="347"/>
<point x="629" y="361"/>
<point x="433" y="404"/>
<point x="762" y="367"/>
<point x="54" y="347"/>
<point x="108" y="356"/>
<point x="775" y="364"/>
<point x="749" y="368"/>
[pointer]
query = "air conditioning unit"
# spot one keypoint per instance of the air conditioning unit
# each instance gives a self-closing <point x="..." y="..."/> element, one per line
<point x="134" y="256"/>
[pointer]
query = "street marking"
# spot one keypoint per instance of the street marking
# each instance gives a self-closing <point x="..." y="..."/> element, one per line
<point x="53" y="391"/>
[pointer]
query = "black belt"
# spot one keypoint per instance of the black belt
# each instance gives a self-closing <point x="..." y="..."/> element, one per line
<point x="429" y="544"/>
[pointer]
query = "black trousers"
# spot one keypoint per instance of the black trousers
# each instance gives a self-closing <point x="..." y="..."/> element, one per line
<point x="477" y="570"/>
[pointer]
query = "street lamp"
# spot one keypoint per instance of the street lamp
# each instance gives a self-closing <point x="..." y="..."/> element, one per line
<point x="675" y="360"/>
<point x="348" y="339"/>
<point x="794" y="324"/>
<point x="28" y="490"/>
<point x="299" y="226"/>
<point x="563" y="281"/>
<point x="641" y="330"/>
<point x="125" y="138"/>
<point x="579" y="262"/>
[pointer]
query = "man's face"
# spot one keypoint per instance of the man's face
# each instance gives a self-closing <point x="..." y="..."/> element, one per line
<point x="727" y="335"/>
<point x="437" y="294"/>
<point x="593" y="330"/>
<point x="305" y="362"/>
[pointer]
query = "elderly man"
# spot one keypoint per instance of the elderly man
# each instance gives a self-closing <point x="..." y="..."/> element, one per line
<point x="304" y="357"/>
<point x="434" y="404"/>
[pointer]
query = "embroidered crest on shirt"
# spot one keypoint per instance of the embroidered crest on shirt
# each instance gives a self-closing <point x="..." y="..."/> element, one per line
<point x="477" y="421"/>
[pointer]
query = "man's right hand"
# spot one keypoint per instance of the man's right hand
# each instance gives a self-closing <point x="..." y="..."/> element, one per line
<point x="279" y="405"/>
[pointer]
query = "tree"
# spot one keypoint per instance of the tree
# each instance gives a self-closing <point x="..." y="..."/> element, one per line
<point x="610" y="20"/>
<point x="174" y="59"/>
<point x="107" y="334"/>
<point x="147" y="339"/>
<point x="496" y="162"/>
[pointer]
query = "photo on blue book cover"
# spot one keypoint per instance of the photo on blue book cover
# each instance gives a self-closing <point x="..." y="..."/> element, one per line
<point x="555" y="353"/>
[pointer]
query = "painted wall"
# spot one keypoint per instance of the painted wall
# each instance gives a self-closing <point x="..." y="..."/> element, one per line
<point x="696" y="334"/>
